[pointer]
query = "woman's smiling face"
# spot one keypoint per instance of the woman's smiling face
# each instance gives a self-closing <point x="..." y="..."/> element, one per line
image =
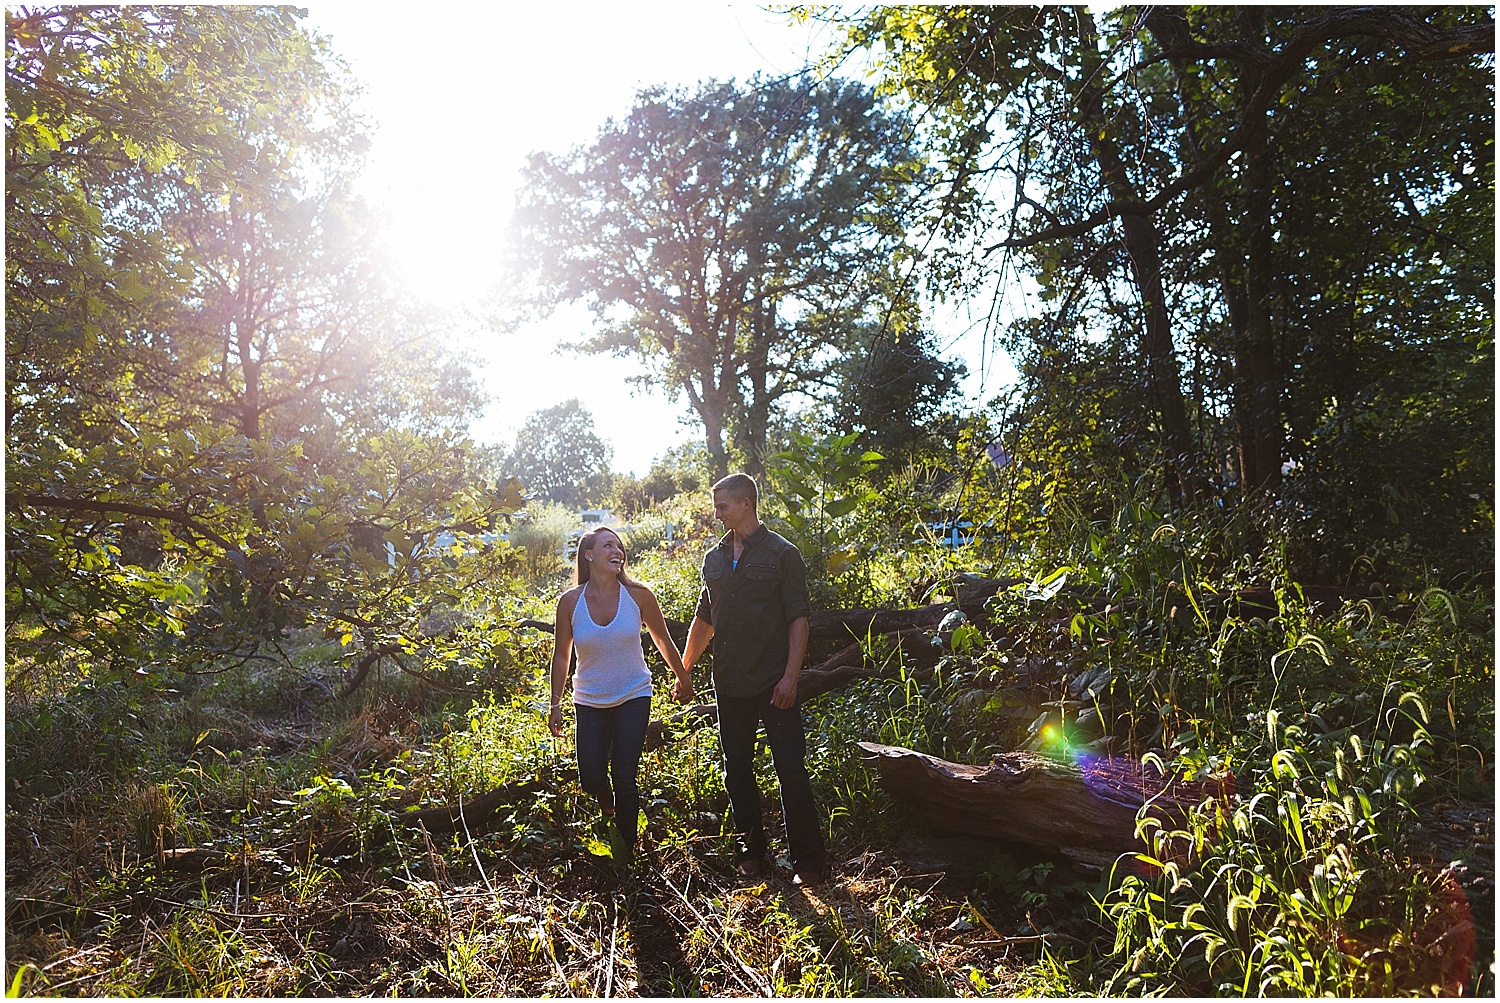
<point x="608" y="552"/>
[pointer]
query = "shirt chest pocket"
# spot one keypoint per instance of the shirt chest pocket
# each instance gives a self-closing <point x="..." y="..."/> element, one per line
<point x="714" y="580"/>
<point x="760" y="585"/>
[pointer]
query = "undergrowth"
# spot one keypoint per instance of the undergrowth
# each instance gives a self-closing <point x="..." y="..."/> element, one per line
<point x="318" y="888"/>
<point x="1344" y="730"/>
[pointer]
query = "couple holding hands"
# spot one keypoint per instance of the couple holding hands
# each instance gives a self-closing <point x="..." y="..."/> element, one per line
<point x="753" y="608"/>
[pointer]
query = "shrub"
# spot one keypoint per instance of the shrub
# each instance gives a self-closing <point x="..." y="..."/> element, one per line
<point x="541" y="532"/>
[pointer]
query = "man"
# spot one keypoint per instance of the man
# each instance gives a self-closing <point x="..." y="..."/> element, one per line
<point x="754" y="608"/>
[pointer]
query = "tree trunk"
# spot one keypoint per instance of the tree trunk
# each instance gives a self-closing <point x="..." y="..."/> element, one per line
<point x="757" y="421"/>
<point x="1255" y="346"/>
<point x="1143" y="247"/>
<point x="712" y="415"/>
<point x="244" y="321"/>
<point x="1244" y="264"/>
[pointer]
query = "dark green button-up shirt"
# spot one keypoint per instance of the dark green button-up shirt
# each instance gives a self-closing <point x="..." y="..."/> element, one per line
<point x="751" y="607"/>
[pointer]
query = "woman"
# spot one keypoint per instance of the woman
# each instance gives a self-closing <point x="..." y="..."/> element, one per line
<point x="602" y="616"/>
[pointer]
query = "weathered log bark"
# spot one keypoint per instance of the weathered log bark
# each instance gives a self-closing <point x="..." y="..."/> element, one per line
<point x="832" y="631"/>
<point x="197" y="859"/>
<point x="192" y="859"/>
<point x="1087" y="811"/>
<point x="920" y="651"/>
<point x="1084" y="811"/>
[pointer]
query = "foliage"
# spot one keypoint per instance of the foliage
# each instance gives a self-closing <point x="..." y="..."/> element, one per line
<point x="504" y="909"/>
<point x="683" y="469"/>
<point x="1327" y="753"/>
<point x="730" y="237"/>
<point x="1295" y="889"/>
<point x="1304" y="880"/>
<point x="203" y="448"/>
<point x="893" y="387"/>
<point x="236" y="466"/>
<point x="814" y="488"/>
<point x="1256" y="283"/>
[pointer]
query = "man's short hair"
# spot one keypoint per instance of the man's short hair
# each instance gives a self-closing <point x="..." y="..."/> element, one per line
<point x="738" y="486"/>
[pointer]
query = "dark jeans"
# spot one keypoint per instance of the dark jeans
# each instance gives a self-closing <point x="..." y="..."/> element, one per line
<point x="738" y="720"/>
<point x="610" y="740"/>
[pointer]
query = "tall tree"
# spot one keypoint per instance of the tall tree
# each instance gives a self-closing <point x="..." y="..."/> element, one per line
<point x="559" y="456"/>
<point x="892" y="385"/>
<point x="1025" y="90"/>
<point x="724" y="237"/>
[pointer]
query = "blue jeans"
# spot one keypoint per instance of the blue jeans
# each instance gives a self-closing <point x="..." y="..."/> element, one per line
<point x="610" y="740"/>
<point x="739" y="718"/>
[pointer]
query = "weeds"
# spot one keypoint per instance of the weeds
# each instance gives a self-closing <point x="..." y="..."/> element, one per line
<point x="318" y="890"/>
<point x="1341" y="726"/>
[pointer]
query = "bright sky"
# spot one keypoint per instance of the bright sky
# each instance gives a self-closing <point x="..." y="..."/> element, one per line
<point x="460" y="101"/>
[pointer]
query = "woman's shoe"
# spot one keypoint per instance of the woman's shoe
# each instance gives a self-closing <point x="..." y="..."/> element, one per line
<point x="621" y="847"/>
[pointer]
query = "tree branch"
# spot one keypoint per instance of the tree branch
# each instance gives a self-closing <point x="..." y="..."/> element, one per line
<point x="121" y="508"/>
<point x="1421" y="41"/>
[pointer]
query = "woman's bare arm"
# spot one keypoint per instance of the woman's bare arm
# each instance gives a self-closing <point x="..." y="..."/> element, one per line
<point x="562" y="650"/>
<point x="656" y="626"/>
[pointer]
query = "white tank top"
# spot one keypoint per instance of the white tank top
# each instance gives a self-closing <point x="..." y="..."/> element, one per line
<point x="611" y="666"/>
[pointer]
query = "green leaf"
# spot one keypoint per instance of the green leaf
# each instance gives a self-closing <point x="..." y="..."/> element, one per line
<point x="841" y="507"/>
<point x="967" y="638"/>
<point x="801" y="489"/>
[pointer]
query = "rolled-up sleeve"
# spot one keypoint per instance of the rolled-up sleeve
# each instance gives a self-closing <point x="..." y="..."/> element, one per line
<point x="795" y="601"/>
<point x="705" y="610"/>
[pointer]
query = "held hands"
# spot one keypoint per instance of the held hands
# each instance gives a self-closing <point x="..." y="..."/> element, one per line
<point x="682" y="691"/>
<point x="555" y="720"/>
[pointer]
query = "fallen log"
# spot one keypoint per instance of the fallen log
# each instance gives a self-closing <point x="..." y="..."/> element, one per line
<point x="831" y="631"/>
<point x="198" y="859"/>
<point x="920" y="651"/>
<point x="828" y="630"/>
<point x="1086" y="811"/>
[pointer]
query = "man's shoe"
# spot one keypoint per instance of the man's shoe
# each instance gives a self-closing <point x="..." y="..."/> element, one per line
<point x="750" y="867"/>
<point x="804" y="879"/>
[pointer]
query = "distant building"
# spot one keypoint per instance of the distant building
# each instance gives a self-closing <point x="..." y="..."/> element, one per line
<point x="591" y="517"/>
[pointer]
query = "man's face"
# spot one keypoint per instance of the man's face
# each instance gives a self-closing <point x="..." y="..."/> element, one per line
<point x="733" y="512"/>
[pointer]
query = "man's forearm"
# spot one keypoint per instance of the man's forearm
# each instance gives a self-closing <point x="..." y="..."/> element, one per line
<point x="699" y="634"/>
<point x="796" y="646"/>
